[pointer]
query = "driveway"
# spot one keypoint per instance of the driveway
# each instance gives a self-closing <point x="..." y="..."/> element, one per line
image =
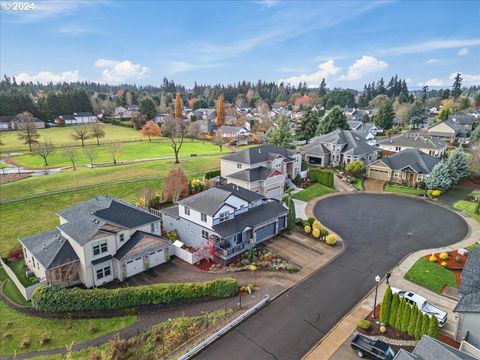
<point x="378" y="231"/>
<point x="373" y="185"/>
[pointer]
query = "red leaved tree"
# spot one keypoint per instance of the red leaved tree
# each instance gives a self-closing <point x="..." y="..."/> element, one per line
<point x="150" y="129"/>
<point x="176" y="185"/>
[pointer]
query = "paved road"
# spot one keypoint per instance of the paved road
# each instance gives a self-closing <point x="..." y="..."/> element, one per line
<point x="379" y="230"/>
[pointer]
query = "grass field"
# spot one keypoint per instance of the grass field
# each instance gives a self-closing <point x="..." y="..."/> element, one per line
<point x="312" y="192"/>
<point x="61" y="136"/>
<point x="358" y="184"/>
<point x="11" y="290"/>
<point x="131" y="151"/>
<point x="430" y="275"/>
<point x="403" y="189"/>
<point x="69" y="178"/>
<point x="18" y="267"/>
<point x="468" y="207"/>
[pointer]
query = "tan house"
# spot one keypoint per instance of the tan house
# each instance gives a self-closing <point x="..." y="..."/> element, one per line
<point x="429" y="145"/>
<point x="405" y="167"/>
<point x="449" y="131"/>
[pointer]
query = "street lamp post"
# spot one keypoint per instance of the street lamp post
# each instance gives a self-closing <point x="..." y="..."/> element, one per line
<point x="377" y="280"/>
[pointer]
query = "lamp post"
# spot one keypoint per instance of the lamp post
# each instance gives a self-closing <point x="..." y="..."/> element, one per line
<point x="377" y="280"/>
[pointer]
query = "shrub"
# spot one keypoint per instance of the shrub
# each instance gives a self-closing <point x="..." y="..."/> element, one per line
<point x="383" y="329"/>
<point x="307" y="229"/>
<point x="297" y="179"/>
<point x="436" y="193"/>
<point x="15" y="254"/>
<point x="385" y="308"/>
<point x="316" y="225"/>
<point x="316" y="233"/>
<point x="211" y="174"/>
<point x="45" y="339"/>
<point x="444" y="264"/>
<point x="323" y="233"/>
<point x="252" y="267"/>
<point x="304" y="165"/>
<point x="421" y="185"/>
<point x="443" y="256"/>
<point x="172" y="235"/>
<point x="311" y="220"/>
<point x="364" y="324"/>
<point x="432" y="258"/>
<point x="356" y="168"/>
<point x="393" y="310"/>
<point x="433" y="327"/>
<point x="299" y="222"/>
<point x="331" y="239"/>
<point x="458" y="259"/>
<point x="25" y="343"/>
<point x="51" y="299"/>
<point x="321" y="176"/>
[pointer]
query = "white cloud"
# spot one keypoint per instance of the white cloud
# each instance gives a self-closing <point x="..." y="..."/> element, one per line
<point x="267" y="3"/>
<point x="116" y="72"/>
<point x="325" y="71"/>
<point x="174" y="67"/>
<point x="47" y="76"/>
<point x="463" y="51"/>
<point x="364" y="66"/>
<point x="432" y="45"/>
<point x="432" y="61"/>
<point x="468" y="80"/>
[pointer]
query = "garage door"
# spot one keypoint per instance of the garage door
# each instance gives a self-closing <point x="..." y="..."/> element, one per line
<point x="265" y="232"/>
<point x="156" y="258"/>
<point x="379" y="174"/>
<point x="134" y="266"/>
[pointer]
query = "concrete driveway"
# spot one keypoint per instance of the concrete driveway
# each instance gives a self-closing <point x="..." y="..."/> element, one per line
<point x="378" y="231"/>
<point x="373" y="185"/>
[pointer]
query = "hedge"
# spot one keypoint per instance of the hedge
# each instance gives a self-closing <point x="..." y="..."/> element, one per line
<point x="52" y="299"/>
<point x="212" y="174"/>
<point x="324" y="177"/>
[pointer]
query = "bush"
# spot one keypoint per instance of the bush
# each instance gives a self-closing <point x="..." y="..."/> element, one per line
<point x="356" y="168"/>
<point x="436" y="193"/>
<point x="421" y="185"/>
<point x="443" y="256"/>
<point x="15" y="254"/>
<point x="211" y="174"/>
<point x="321" y="176"/>
<point x="323" y="233"/>
<point x="297" y="179"/>
<point x="432" y="258"/>
<point x="172" y="235"/>
<point x="304" y="165"/>
<point x="444" y="264"/>
<point x="316" y="225"/>
<point x="51" y="299"/>
<point x="316" y="233"/>
<point x="299" y="222"/>
<point x="311" y="220"/>
<point x="45" y="339"/>
<point x="383" y="329"/>
<point x="307" y="229"/>
<point x="331" y="239"/>
<point x="364" y="324"/>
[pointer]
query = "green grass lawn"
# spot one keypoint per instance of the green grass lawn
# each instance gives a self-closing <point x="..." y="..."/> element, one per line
<point x="403" y="189"/>
<point x="312" y="192"/>
<point x="11" y="290"/>
<point x="430" y="275"/>
<point x="358" y="184"/>
<point x="18" y="267"/>
<point x="61" y="136"/>
<point x="468" y="207"/>
<point x="16" y="328"/>
<point x="131" y="151"/>
<point x="473" y="246"/>
<point x="69" y="178"/>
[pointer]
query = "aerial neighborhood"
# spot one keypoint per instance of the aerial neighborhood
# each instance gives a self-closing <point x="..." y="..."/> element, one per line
<point x="330" y="210"/>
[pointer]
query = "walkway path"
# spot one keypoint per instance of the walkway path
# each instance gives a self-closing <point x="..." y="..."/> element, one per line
<point x="339" y="185"/>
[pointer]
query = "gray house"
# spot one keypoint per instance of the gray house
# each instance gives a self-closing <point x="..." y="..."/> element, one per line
<point x="229" y="217"/>
<point x="429" y="348"/>
<point x="430" y="145"/>
<point x="449" y="131"/>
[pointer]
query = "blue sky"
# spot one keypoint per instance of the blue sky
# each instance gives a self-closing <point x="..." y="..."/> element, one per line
<point x="348" y="43"/>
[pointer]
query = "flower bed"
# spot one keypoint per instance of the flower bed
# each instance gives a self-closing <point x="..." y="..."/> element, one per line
<point x="455" y="263"/>
<point x="314" y="228"/>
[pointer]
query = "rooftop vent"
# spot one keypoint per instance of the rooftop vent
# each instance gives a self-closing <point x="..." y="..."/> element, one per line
<point x="93" y="220"/>
<point x="44" y="247"/>
<point x="259" y="150"/>
<point x="97" y="222"/>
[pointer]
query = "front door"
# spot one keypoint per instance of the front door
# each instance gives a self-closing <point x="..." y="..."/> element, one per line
<point x="411" y="178"/>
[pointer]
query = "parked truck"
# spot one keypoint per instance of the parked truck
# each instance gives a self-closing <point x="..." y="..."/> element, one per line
<point x="371" y="349"/>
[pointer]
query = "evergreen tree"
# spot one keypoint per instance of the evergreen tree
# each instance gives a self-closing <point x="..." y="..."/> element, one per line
<point x="147" y="108"/>
<point x="385" y="116"/>
<point x="458" y="166"/>
<point x="322" y="90"/>
<point x="307" y="125"/>
<point x="413" y="320"/>
<point x="424" y="93"/>
<point x="335" y="119"/>
<point x="288" y="201"/>
<point x="433" y="327"/>
<point x="425" y="324"/>
<point x="393" y="310"/>
<point x="282" y="135"/>
<point x="439" y="178"/>
<point x="457" y="86"/>
<point x="406" y="317"/>
<point x="418" y="325"/>
<point x="385" y="308"/>
<point x="415" y="112"/>
<point x="401" y="309"/>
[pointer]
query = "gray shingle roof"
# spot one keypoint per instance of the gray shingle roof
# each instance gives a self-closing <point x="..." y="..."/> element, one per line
<point x="68" y="117"/>
<point x="419" y="161"/>
<point x="50" y="249"/>
<point x="171" y="211"/>
<point x="470" y="288"/>
<point x="414" y="141"/>
<point x="431" y="349"/>
<point x="255" y="155"/>
<point x="250" y="175"/>
<point x="83" y="229"/>
<point x="83" y="113"/>
<point x="353" y="144"/>
<point x="135" y="239"/>
<point x="354" y="124"/>
<point x="459" y="130"/>
<point x="102" y="259"/>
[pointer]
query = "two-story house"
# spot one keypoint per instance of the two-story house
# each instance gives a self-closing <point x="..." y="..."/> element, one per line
<point x="96" y="242"/>
<point x="229" y="217"/>
<point x="262" y="169"/>
<point x="337" y="147"/>
<point x="449" y="131"/>
<point x="368" y="130"/>
<point x="429" y="145"/>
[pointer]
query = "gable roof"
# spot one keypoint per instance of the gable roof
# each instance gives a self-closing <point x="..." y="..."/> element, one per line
<point x="417" y="160"/>
<point x="353" y="144"/>
<point x="429" y="348"/>
<point x="258" y="154"/>
<point x="470" y="288"/>
<point x="135" y="239"/>
<point x="414" y="140"/>
<point x="255" y="174"/>
<point x="457" y="128"/>
<point x="83" y="113"/>
<point x="68" y="117"/>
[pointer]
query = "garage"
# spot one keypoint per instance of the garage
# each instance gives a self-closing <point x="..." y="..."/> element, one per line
<point x="379" y="174"/>
<point x="134" y="266"/>
<point x="156" y="257"/>
<point x="265" y="232"/>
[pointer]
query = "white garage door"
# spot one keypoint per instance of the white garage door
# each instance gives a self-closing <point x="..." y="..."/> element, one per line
<point x="379" y="174"/>
<point x="134" y="266"/>
<point x="156" y="258"/>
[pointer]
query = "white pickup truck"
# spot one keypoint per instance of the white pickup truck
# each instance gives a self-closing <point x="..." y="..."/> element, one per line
<point x="422" y="303"/>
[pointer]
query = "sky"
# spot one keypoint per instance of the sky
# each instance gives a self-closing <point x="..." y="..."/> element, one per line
<point x="347" y="43"/>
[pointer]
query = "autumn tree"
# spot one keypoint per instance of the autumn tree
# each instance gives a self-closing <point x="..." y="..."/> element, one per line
<point x="115" y="150"/>
<point x="28" y="131"/>
<point x="71" y="154"/>
<point x="194" y="130"/>
<point x="178" y="106"/>
<point x="150" y="129"/>
<point x="219" y="140"/>
<point x="90" y="153"/>
<point x="44" y="149"/>
<point x="97" y="132"/>
<point x="220" y="112"/>
<point x="81" y="133"/>
<point x="175" y="130"/>
<point x="176" y="185"/>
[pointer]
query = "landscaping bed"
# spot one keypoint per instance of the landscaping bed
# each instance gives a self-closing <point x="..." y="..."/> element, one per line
<point x="312" y="227"/>
<point x="403" y="189"/>
<point x="431" y="275"/>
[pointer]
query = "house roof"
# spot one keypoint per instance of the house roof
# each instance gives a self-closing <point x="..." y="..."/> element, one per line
<point x="171" y="211"/>
<point x="304" y="100"/>
<point x="83" y="113"/>
<point x="414" y="140"/>
<point x="470" y="287"/>
<point x="353" y="144"/>
<point x="251" y="218"/>
<point x="354" y="124"/>
<point x="255" y="174"/>
<point x="68" y="117"/>
<point x="453" y="125"/>
<point x="226" y="129"/>
<point x="135" y="239"/>
<point x="429" y="348"/>
<point x="417" y="160"/>
<point x="50" y="249"/>
<point x="258" y="154"/>
<point x="463" y="118"/>
<point x="102" y="259"/>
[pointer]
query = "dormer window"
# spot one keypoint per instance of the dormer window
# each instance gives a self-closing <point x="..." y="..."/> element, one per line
<point x="223" y="216"/>
<point x="203" y="217"/>
<point x="122" y="237"/>
<point x="187" y="210"/>
<point x="239" y="166"/>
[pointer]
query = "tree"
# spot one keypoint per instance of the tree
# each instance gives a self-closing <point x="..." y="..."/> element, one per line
<point x="418" y="326"/>
<point x="394" y="309"/>
<point x="477" y="99"/>
<point x="175" y="130"/>
<point x="147" y="108"/>
<point x="115" y="150"/>
<point x="433" y="329"/>
<point x="220" y="112"/>
<point x="150" y="129"/>
<point x="425" y="323"/>
<point x="28" y="131"/>
<point x="44" y="149"/>
<point x="288" y="201"/>
<point x="307" y="125"/>
<point x="138" y="120"/>
<point x="71" y="154"/>
<point x="282" y="135"/>
<point x="439" y="178"/>
<point x="424" y="93"/>
<point x="178" y="105"/>
<point x="457" y="164"/>
<point x="194" y="130"/>
<point x="385" y="116"/>
<point x="356" y="168"/>
<point x="400" y="311"/>
<point x="147" y="195"/>
<point x="464" y="103"/>
<point x="335" y="119"/>
<point x="415" y="111"/>
<point x="90" y="153"/>
<point x="443" y="114"/>
<point x="406" y="317"/>
<point x="457" y="86"/>
<point x="322" y="90"/>
<point x="96" y="131"/>
<point x="176" y="185"/>
<point x="413" y="320"/>
<point x="474" y="135"/>
<point x="81" y="133"/>
<point x="219" y="140"/>
<point x="385" y="308"/>
<point x="199" y="104"/>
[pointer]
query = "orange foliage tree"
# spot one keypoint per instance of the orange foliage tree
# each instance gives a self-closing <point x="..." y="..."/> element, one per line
<point x="220" y="112"/>
<point x="178" y="106"/>
<point x="150" y="129"/>
<point x="176" y="185"/>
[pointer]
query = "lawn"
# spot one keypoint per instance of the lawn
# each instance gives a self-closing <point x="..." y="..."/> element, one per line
<point x="313" y="192"/>
<point x="430" y="275"/>
<point x="17" y="328"/>
<point x="468" y="207"/>
<point x="11" y="290"/>
<point x="131" y="151"/>
<point x="18" y="267"/>
<point x="69" y="178"/>
<point x="61" y="136"/>
<point x="473" y="246"/>
<point x="358" y="184"/>
<point x="403" y="189"/>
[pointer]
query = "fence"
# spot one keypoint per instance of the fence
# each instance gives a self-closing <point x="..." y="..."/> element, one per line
<point x="25" y="291"/>
<point x="185" y="255"/>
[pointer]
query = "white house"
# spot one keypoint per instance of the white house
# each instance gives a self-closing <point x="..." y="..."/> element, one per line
<point x="78" y="118"/>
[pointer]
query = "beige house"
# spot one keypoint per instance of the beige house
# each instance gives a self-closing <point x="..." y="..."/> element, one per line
<point x="432" y="146"/>
<point x="96" y="242"/>
<point x="405" y="167"/>
<point x="449" y="131"/>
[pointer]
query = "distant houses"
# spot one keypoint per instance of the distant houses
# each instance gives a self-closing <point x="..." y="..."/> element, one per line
<point x="430" y="145"/>
<point x="12" y="122"/>
<point x="78" y="118"/>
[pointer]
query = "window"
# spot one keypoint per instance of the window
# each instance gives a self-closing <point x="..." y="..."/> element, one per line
<point x="239" y="166"/>
<point x="187" y="210"/>
<point x="204" y="234"/>
<point x="154" y="227"/>
<point x="103" y="272"/>
<point x="122" y="237"/>
<point x="203" y="217"/>
<point x="223" y="216"/>
<point x="100" y="248"/>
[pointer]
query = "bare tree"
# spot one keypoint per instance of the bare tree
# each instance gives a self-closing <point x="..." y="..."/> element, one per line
<point x="90" y="152"/>
<point x="175" y="130"/>
<point x="115" y="150"/>
<point x="96" y="131"/>
<point x="44" y="149"/>
<point x="193" y="130"/>
<point x="28" y="131"/>
<point x="219" y="140"/>
<point x="71" y="154"/>
<point x="176" y="185"/>
<point x="147" y="194"/>
<point x="80" y="133"/>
